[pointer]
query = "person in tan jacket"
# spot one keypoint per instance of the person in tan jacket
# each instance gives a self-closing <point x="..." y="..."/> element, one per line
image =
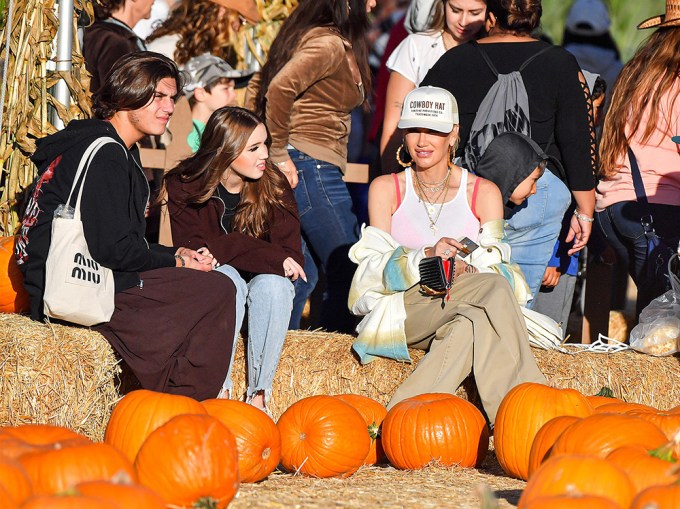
<point x="317" y="73"/>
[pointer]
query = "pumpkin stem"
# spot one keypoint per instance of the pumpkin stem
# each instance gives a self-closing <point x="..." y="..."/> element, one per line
<point x="374" y="431"/>
<point x="605" y="392"/>
<point x="665" y="451"/>
<point x="205" y="503"/>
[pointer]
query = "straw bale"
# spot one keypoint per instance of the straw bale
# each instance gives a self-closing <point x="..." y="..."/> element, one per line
<point x="55" y="374"/>
<point x="382" y="486"/>
<point x="317" y="362"/>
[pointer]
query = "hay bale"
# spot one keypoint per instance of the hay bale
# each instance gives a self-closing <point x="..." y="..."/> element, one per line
<point x="55" y="374"/>
<point x="316" y="362"/>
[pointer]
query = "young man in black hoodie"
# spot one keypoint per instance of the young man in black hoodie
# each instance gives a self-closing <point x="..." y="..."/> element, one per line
<point x="170" y="326"/>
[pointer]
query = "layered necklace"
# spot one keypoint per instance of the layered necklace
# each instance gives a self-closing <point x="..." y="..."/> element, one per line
<point x="441" y="189"/>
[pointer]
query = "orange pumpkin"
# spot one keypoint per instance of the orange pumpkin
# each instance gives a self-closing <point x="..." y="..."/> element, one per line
<point x="373" y="414"/>
<point x="68" y="502"/>
<point x="572" y="502"/>
<point x="439" y="428"/>
<point x="123" y="496"/>
<point x="667" y="422"/>
<point x="659" y="497"/>
<point x="623" y="407"/>
<point x="6" y="500"/>
<point x="597" y="401"/>
<point x="322" y="436"/>
<point x="58" y="470"/>
<point x="43" y="434"/>
<point x="578" y="475"/>
<point x="600" y="434"/>
<point x="523" y="411"/>
<point x="545" y="439"/>
<point x="646" y="468"/>
<point x="13" y="296"/>
<point x="14" y="479"/>
<point x="140" y="412"/>
<point x="257" y="438"/>
<point x="191" y="460"/>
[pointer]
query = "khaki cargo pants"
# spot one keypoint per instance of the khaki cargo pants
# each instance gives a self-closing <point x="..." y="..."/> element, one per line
<point x="480" y="329"/>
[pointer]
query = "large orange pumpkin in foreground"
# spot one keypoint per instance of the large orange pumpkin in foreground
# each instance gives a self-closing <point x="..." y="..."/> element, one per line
<point x="13" y="296"/>
<point x="600" y="434"/>
<point x="646" y="468"/>
<point x="123" y="496"/>
<point x="577" y="474"/>
<point x="322" y="436"/>
<point x="190" y="461"/>
<point x="373" y="414"/>
<point x="659" y="497"/>
<point x="257" y="438"/>
<point x="58" y="470"/>
<point x="523" y="411"/>
<point x="68" y="502"/>
<point x="14" y="479"/>
<point x="140" y="412"/>
<point x="43" y="434"/>
<point x="439" y="428"/>
<point x="572" y="502"/>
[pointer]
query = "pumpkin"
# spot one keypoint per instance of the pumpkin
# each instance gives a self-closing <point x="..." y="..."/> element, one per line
<point x="373" y="414"/>
<point x="57" y="470"/>
<point x="439" y="428"/>
<point x="545" y="439"/>
<point x="6" y="500"/>
<point x="572" y="502"/>
<point x="646" y="468"/>
<point x="668" y="423"/>
<point x="43" y="434"/>
<point x="258" y="440"/>
<point x="322" y="436"/>
<point x="13" y="296"/>
<point x="523" y="411"/>
<point x="14" y="479"/>
<point x="68" y="502"/>
<point x="578" y="475"/>
<point x="600" y="434"/>
<point x="622" y="407"/>
<point x="192" y="461"/>
<point x="659" y="497"/>
<point x="123" y="496"/>
<point x="140" y="412"/>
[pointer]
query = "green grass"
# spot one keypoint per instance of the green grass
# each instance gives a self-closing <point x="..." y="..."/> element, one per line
<point x="625" y="16"/>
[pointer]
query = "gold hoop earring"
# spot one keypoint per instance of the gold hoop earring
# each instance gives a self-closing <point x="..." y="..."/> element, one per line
<point x="402" y="163"/>
<point x="452" y="152"/>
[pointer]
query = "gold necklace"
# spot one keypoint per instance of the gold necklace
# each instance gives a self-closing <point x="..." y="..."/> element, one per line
<point x="431" y="209"/>
<point x="433" y="187"/>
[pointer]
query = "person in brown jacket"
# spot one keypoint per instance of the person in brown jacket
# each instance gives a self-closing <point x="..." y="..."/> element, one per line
<point x="228" y="198"/>
<point x="316" y="74"/>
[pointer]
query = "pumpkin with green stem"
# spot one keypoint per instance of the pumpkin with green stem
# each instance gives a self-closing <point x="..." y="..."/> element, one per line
<point x="373" y="413"/>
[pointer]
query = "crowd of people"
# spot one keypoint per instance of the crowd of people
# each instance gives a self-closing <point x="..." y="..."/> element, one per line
<point x="501" y="156"/>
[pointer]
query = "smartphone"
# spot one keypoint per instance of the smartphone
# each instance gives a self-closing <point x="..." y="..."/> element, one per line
<point x="467" y="248"/>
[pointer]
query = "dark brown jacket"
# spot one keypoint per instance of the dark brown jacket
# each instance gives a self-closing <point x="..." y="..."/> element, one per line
<point x="200" y="225"/>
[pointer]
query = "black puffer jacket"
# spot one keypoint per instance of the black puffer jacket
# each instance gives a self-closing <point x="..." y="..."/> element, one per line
<point x="113" y="208"/>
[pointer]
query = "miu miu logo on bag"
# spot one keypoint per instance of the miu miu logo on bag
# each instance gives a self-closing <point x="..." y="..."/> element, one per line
<point x="86" y="269"/>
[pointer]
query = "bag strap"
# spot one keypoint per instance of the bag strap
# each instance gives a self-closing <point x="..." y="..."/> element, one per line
<point x="83" y="166"/>
<point x="647" y="221"/>
<point x="488" y="61"/>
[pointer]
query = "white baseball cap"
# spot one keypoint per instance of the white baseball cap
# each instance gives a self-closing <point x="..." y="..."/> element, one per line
<point x="429" y="108"/>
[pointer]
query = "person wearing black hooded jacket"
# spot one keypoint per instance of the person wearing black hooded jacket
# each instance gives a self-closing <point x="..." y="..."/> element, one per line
<point x="170" y="326"/>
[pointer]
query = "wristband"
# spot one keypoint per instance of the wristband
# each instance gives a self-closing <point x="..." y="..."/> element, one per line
<point x="181" y="260"/>
<point x="583" y="217"/>
<point x="470" y="269"/>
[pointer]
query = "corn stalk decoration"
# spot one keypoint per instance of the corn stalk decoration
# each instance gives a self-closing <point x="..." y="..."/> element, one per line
<point x="27" y="84"/>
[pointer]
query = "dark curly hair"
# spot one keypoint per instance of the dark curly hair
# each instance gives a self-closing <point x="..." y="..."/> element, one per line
<point x="518" y="16"/>
<point x="132" y="81"/>
<point x="104" y="8"/>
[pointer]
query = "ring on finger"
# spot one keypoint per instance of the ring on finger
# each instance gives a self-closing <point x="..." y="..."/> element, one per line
<point x="447" y="252"/>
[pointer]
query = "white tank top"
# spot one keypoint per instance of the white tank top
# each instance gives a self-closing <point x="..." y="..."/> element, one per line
<point x="411" y="225"/>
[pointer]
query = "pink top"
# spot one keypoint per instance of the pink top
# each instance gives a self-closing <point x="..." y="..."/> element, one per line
<point x="411" y="225"/>
<point x="658" y="159"/>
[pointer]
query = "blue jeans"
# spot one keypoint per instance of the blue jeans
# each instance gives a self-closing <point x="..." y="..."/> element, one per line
<point x="269" y="299"/>
<point x="534" y="227"/>
<point x="303" y="289"/>
<point x="330" y="228"/>
<point x="620" y="224"/>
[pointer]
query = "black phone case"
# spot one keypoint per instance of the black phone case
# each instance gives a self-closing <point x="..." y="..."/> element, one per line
<point x="433" y="275"/>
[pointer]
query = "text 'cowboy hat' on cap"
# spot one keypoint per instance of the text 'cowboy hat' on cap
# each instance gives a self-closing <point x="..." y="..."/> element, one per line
<point x="429" y="108"/>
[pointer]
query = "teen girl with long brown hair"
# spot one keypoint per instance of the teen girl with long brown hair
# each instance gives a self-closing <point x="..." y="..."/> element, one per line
<point x="229" y="199"/>
<point x="316" y="74"/>
<point x="644" y="115"/>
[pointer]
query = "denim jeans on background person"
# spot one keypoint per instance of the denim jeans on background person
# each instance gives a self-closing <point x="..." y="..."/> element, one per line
<point x="620" y="225"/>
<point x="269" y="299"/>
<point x="303" y="290"/>
<point x="534" y="227"/>
<point x="330" y="228"/>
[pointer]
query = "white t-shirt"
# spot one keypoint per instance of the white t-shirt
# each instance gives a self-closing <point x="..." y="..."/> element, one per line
<point x="416" y="55"/>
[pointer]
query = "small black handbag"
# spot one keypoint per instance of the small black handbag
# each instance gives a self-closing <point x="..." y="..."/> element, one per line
<point x="436" y="276"/>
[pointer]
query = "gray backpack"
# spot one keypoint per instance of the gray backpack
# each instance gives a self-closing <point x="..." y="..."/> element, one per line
<point x="504" y="108"/>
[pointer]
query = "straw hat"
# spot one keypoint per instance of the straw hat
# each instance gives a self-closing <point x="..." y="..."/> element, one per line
<point x="671" y="18"/>
<point x="246" y="8"/>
